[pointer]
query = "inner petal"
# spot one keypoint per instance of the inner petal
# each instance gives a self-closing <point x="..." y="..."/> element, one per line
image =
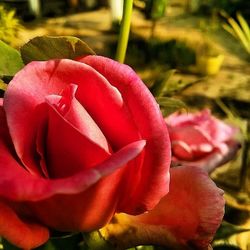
<point x="191" y="135"/>
<point x="182" y="150"/>
<point x="73" y="141"/>
<point x="73" y="112"/>
<point x="69" y="151"/>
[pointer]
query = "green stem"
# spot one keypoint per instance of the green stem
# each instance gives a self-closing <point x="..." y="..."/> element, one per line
<point x="124" y="31"/>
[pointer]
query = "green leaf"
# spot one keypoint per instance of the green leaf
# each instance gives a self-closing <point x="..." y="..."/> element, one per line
<point x="229" y="29"/>
<point x="245" y="27"/>
<point x="227" y="229"/>
<point x="170" y="105"/>
<point x="160" y="88"/>
<point x="11" y="61"/>
<point x="239" y="33"/>
<point x="47" y="47"/>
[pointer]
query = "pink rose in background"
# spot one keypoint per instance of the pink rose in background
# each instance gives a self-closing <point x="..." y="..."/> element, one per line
<point x="201" y="140"/>
<point x="79" y="141"/>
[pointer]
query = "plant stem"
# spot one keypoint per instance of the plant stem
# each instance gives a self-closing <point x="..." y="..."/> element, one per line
<point x="124" y="31"/>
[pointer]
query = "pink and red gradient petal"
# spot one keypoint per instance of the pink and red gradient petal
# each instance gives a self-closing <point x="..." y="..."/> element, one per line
<point x="153" y="182"/>
<point x="192" y="210"/>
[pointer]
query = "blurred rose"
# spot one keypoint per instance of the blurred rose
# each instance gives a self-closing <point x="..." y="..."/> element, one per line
<point x="201" y="140"/>
<point x="79" y="141"/>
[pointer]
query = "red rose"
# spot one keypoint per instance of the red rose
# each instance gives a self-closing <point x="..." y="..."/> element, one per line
<point x="201" y="140"/>
<point x="79" y="141"/>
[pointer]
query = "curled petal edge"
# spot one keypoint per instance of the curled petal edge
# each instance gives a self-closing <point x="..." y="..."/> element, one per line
<point x="19" y="185"/>
<point x="19" y="232"/>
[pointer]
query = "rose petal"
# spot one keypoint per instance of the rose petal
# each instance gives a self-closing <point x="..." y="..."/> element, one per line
<point x="192" y="210"/>
<point x="214" y="159"/>
<point x="188" y="119"/>
<point x="219" y="131"/>
<point x="85" y="211"/>
<point x="191" y="135"/>
<point x="69" y="149"/>
<point x="18" y="184"/>
<point x="45" y="198"/>
<point x="152" y="183"/>
<point x="68" y="107"/>
<point x="39" y="79"/>
<point x="19" y="232"/>
<point x="42" y="198"/>
<point x="182" y="151"/>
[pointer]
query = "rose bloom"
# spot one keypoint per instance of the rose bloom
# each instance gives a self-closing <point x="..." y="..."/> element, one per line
<point x="79" y="141"/>
<point x="201" y="140"/>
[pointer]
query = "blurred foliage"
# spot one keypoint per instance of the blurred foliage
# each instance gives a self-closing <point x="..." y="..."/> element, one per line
<point x="173" y="53"/>
<point x="155" y="9"/>
<point x="234" y="118"/>
<point x="170" y="105"/>
<point x="10" y="61"/>
<point x="3" y="86"/>
<point x="161" y="87"/>
<point x="240" y="29"/>
<point x="227" y="229"/>
<point x="230" y="6"/>
<point x="9" y="25"/>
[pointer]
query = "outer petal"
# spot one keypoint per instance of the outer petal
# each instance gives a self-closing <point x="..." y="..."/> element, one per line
<point x="18" y="184"/>
<point x="13" y="228"/>
<point x="39" y="79"/>
<point x="214" y="159"/>
<point x="219" y="131"/>
<point x="152" y="181"/>
<point x="192" y="210"/>
<point x="19" y="232"/>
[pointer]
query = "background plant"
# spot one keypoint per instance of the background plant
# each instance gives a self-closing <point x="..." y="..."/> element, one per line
<point x="239" y="28"/>
<point x="9" y="25"/>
